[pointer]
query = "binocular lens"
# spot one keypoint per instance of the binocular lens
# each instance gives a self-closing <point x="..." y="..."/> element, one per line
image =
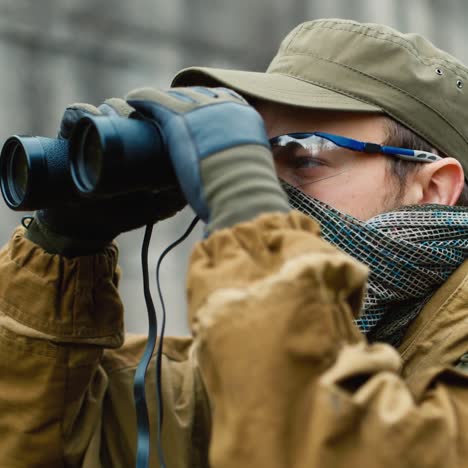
<point x="34" y="172"/>
<point x="116" y="155"/>
<point x="18" y="174"/>
<point x="89" y="159"/>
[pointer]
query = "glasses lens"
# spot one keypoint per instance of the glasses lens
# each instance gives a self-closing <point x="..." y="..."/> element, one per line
<point x="18" y="174"/>
<point x="305" y="158"/>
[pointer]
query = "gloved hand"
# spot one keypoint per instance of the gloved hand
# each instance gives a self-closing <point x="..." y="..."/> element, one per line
<point x="84" y="227"/>
<point x="219" y="149"/>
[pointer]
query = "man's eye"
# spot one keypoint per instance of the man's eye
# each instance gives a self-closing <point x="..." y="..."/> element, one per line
<point x="295" y="156"/>
<point x="305" y="162"/>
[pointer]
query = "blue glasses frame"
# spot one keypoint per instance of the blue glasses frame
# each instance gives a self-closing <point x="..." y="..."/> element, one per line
<point x="364" y="147"/>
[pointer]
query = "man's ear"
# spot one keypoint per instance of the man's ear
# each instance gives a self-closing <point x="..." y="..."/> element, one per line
<point x="441" y="182"/>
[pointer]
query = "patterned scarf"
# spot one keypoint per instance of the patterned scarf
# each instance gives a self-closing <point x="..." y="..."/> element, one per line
<point x="411" y="252"/>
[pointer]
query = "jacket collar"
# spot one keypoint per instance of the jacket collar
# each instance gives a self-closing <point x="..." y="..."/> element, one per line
<point x="439" y="335"/>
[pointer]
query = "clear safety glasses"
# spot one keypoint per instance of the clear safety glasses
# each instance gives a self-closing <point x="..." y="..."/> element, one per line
<point x="302" y="158"/>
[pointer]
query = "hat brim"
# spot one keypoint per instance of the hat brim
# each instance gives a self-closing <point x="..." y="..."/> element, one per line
<point x="273" y="87"/>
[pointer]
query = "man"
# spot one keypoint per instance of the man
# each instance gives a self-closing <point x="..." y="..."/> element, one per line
<point x="278" y="373"/>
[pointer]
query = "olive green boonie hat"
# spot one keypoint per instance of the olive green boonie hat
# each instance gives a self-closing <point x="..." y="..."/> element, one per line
<point x="348" y="66"/>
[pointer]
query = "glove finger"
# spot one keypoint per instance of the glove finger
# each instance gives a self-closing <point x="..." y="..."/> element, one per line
<point x="116" y="107"/>
<point x="202" y="95"/>
<point x="72" y="114"/>
<point x="162" y="105"/>
<point x="221" y="93"/>
<point x="158" y="104"/>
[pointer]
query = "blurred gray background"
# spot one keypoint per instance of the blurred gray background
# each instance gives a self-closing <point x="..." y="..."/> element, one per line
<point x="55" y="52"/>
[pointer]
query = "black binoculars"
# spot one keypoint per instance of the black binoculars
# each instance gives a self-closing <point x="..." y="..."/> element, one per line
<point x="104" y="157"/>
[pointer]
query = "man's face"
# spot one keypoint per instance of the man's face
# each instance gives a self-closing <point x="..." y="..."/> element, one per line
<point x="355" y="183"/>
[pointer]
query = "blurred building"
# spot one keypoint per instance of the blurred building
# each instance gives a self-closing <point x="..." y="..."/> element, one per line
<point x="55" y="52"/>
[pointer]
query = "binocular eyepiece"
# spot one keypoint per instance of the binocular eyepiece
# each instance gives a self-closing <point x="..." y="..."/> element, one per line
<point x="104" y="157"/>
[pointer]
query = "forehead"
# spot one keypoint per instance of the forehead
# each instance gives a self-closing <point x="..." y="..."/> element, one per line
<point x="281" y="119"/>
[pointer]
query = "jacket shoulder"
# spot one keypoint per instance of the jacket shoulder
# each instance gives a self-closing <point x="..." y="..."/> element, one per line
<point x="439" y="335"/>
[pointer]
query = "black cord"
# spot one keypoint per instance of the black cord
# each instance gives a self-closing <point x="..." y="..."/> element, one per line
<point x="159" y="396"/>
<point x="143" y="427"/>
<point x="143" y="443"/>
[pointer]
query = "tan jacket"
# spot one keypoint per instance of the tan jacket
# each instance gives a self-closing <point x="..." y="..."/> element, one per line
<point x="277" y="375"/>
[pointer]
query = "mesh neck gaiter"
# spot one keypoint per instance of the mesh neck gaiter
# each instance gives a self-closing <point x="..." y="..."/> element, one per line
<point x="411" y="252"/>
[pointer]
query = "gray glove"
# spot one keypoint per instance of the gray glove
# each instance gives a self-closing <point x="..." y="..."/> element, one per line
<point x="219" y="149"/>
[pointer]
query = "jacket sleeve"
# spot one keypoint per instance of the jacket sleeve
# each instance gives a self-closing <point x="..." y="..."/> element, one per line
<point x="291" y="379"/>
<point x="56" y="317"/>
